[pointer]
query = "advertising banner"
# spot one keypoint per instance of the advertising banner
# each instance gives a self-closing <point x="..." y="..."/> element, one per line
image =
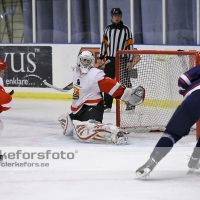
<point x="28" y="66"/>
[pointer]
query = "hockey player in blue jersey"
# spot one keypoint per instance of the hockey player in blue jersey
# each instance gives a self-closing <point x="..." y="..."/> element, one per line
<point x="185" y="116"/>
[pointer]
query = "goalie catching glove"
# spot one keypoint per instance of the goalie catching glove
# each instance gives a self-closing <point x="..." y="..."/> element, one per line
<point x="133" y="96"/>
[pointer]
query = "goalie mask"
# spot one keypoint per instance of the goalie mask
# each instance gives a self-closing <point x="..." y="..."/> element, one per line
<point x="85" y="61"/>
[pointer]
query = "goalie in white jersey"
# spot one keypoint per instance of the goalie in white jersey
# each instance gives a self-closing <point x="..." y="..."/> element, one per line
<point x="87" y="104"/>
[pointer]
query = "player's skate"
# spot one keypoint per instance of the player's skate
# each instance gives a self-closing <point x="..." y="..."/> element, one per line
<point x="193" y="163"/>
<point x="93" y="131"/>
<point x="145" y="169"/>
<point x="66" y="123"/>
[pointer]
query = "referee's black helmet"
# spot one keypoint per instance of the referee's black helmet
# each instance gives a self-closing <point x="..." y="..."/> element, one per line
<point x="115" y="11"/>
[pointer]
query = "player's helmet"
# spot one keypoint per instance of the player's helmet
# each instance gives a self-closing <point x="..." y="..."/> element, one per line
<point x="3" y="65"/>
<point x="85" y="61"/>
<point x="115" y="11"/>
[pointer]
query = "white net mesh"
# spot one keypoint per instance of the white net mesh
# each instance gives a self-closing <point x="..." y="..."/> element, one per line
<point x="158" y="74"/>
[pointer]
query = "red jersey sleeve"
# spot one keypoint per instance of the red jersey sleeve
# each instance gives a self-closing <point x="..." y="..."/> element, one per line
<point x="111" y="87"/>
<point x="5" y="97"/>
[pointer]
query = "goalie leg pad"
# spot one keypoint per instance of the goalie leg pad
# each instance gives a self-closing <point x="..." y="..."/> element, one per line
<point x="134" y="96"/>
<point x="66" y="123"/>
<point x="93" y="131"/>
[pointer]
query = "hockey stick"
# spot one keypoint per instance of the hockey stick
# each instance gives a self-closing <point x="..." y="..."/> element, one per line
<point x="65" y="89"/>
<point x="100" y="66"/>
<point x="70" y="86"/>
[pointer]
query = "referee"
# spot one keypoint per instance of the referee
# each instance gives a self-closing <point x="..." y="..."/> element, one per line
<point x="117" y="36"/>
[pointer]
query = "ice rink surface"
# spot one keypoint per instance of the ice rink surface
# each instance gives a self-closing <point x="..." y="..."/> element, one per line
<point x="35" y="169"/>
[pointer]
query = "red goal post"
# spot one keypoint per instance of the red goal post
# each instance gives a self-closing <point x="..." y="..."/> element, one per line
<point x="158" y="73"/>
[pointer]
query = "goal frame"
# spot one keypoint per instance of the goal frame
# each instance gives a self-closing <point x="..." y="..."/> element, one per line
<point x="158" y="52"/>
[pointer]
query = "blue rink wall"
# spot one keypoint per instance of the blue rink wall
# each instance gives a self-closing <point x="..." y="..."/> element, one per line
<point x="30" y="64"/>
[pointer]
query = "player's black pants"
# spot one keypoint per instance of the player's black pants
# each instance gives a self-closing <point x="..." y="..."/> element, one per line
<point x="109" y="70"/>
<point x="186" y="115"/>
<point x="89" y="112"/>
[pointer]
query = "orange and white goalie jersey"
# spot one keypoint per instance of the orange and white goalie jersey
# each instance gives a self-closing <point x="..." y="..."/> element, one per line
<point x="88" y="88"/>
<point x="5" y="98"/>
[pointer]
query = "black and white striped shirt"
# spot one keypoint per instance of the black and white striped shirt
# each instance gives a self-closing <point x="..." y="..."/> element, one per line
<point x="116" y="37"/>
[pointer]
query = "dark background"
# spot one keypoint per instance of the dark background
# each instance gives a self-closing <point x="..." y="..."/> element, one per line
<point x="42" y="60"/>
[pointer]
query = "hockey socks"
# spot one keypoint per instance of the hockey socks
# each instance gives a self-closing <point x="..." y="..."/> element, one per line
<point x="196" y="151"/>
<point x="194" y="163"/>
<point x="164" y="145"/>
<point x="198" y="143"/>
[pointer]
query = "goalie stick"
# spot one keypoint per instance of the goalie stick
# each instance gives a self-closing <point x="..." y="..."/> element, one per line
<point x="70" y="86"/>
<point x="65" y="89"/>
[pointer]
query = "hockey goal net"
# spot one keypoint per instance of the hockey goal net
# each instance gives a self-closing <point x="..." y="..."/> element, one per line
<point x="158" y="73"/>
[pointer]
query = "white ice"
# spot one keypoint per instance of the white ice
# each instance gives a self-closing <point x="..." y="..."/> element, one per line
<point x="98" y="171"/>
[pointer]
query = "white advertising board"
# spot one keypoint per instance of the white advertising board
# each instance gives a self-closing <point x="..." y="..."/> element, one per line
<point x="64" y="56"/>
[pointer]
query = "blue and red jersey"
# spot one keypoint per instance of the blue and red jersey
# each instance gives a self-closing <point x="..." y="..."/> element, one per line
<point x="189" y="81"/>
